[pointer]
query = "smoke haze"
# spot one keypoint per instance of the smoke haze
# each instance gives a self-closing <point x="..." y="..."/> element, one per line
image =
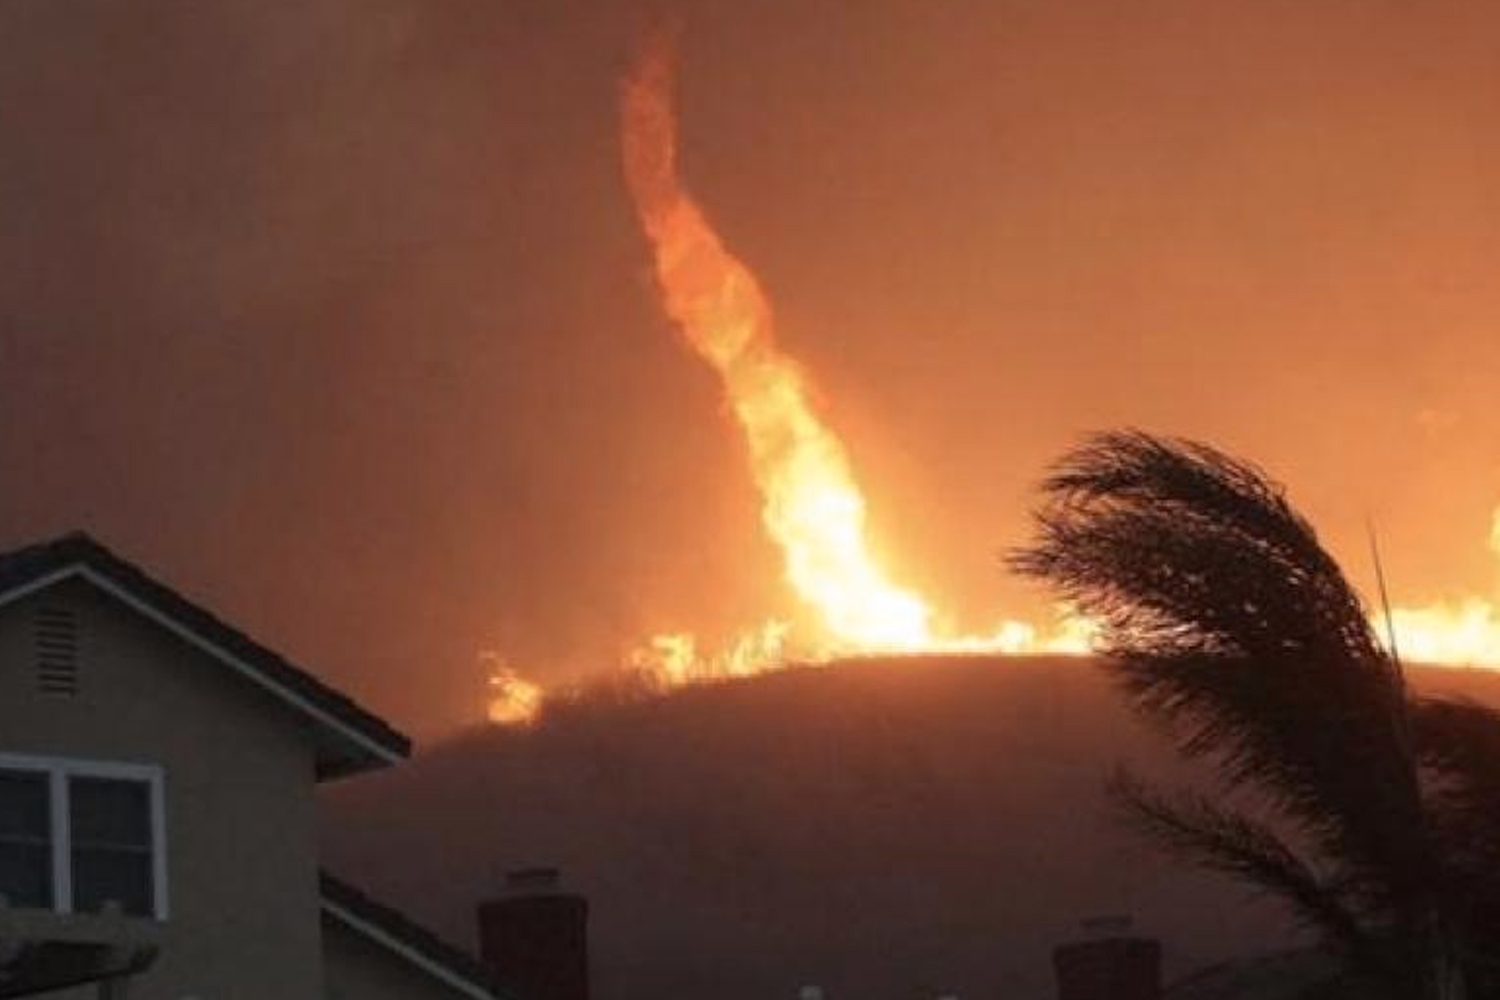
<point x="335" y="313"/>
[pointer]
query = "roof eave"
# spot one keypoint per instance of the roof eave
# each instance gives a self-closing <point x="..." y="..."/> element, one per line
<point x="354" y="744"/>
<point x="370" y="919"/>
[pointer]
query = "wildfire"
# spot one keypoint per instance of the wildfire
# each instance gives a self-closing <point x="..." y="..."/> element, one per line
<point x="811" y="503"/>
<point x="513" y="700"/>
<point x="675" y="658"/>
<point x="812" y="506"/>
<point x="1463" y="634"/>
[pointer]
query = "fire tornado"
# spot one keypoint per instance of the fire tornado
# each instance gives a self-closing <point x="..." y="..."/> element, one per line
<point x="811" y="505"/>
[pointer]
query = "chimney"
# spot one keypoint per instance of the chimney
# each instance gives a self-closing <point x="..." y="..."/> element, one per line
<point x="534" y="937"/>
<point x="1109" y="964"/>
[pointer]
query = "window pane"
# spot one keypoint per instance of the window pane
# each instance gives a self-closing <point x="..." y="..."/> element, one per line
<point x="25" y="839"/>
<point x="100" y="875"/>
<point x="26" y="875"/>
<point x="23" y="805"/>
<point x="109" y="813"/>
<point x="111" y="830"/>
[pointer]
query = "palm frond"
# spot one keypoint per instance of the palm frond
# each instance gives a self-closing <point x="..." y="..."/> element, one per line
<point x="1458" y="741"/>
<point x="1197" y="830"/>
<point x="1226" y="620"/>
<point x="1459" y="745"/>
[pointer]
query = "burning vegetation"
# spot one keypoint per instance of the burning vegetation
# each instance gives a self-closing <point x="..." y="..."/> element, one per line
<point x="812" y="506"/>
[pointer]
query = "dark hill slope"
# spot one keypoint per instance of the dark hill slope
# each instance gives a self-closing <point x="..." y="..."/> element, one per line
<point x="886" y="829"/>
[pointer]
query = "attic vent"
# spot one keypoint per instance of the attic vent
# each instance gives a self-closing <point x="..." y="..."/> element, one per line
<point x="56" y="634"/>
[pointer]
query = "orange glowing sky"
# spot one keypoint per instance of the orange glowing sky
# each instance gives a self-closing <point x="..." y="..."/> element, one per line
<point x="339" y="316"/>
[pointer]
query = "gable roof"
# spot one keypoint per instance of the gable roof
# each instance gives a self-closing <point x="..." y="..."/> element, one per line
<point x="407" y="939"/>
<point x="349" y="738"/>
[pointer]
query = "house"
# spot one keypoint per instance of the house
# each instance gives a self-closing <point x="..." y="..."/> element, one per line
<point x="158" y="829"/>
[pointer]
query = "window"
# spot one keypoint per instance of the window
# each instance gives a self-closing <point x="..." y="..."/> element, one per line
<point x="25" y="839"/>
<point x="81" y="836"/>
<point x="110" y="822"/>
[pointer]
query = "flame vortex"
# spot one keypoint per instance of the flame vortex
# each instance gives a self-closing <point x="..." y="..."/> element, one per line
<point x="812" y="506"/>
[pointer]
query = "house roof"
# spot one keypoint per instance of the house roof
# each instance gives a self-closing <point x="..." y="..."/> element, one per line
<point x="349" y="738"/>
<point x="407" y="939"/>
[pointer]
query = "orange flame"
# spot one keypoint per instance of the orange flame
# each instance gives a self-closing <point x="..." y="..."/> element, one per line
<point x="812" y="506"/>
<point x="1466" y="633"/>
<point x="513" y="700"/>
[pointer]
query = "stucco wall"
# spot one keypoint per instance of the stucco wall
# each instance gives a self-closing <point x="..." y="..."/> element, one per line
<point x="359" y="969"/>
<point x="241" y="832"/>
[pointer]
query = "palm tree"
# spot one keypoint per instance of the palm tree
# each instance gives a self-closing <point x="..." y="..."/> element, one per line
<point x="1223" y="619"/>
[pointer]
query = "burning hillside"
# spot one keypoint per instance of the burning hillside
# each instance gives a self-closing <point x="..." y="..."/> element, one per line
<point x="812" y="506"/>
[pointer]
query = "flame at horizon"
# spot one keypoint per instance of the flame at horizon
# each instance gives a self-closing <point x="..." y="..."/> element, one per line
<point x="1464" y="633"/>
<point x="513" y="700"/>
<point x="811" y="503"/>
<point x="812" y="507"/>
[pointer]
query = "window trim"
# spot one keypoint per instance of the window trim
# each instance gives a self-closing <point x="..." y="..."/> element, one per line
<point x="58" y="771"/>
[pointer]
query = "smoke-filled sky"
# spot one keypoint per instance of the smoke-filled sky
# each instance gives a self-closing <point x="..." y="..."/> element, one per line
<point x="336" y="315"/>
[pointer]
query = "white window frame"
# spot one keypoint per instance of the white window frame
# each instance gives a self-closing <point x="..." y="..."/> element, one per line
<point x="58" y="771"/>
